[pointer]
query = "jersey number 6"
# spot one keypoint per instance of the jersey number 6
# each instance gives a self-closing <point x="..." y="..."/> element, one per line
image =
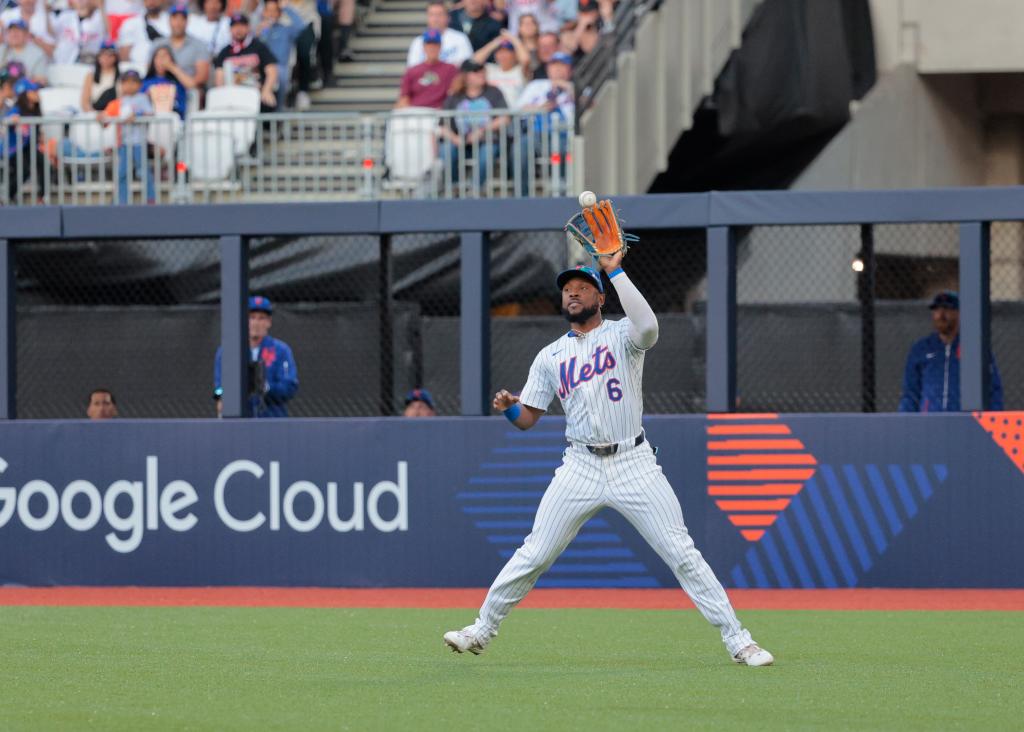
<point x="614" y="392"/>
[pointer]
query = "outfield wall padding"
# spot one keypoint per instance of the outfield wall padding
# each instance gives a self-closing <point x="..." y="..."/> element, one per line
<point x="845" y="501"/>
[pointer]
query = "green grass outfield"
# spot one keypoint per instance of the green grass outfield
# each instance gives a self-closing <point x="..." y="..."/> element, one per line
<point x="116" y="668"/>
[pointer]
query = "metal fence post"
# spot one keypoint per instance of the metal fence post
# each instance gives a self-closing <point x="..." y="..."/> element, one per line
<point x="975" y="317"/>
<point x="721" y="320"/>
<point x="866" y="296"/>
<point x="8" y="340"/>
<point x="234" y="325"/>
<point x="475" y="324"/>
<point x="386" y="329"/>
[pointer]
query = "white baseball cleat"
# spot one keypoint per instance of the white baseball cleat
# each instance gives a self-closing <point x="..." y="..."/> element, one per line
<point x="754" y="655"/>
<point x="467" y="639"/>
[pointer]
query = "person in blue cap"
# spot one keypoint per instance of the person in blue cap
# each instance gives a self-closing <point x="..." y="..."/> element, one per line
<point x="419" y="403"/>
<point x="273" y="376"/>
<point x="931" y="379"/>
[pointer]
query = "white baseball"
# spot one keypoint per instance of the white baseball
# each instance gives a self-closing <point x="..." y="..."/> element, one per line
<point x="588" y="199"/>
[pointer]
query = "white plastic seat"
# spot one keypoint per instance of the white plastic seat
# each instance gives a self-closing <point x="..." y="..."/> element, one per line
<point x="90" y="137"/>
<point x="209" y="154"/>
<point x="68" y="75"/>
<point x="61" y="101"/>
<point x="240" y="125"/>
<point x="410" y="148"/>
<point x="163" y="131"/>
<point x="233" y="99"/>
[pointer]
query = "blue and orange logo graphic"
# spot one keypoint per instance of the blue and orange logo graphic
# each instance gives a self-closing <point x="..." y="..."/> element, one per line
<point x="755" y="468"/>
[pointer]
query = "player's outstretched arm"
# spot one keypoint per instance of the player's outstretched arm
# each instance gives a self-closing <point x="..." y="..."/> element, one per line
<point x="521" y="415"/>
<point x="643" y="323"/>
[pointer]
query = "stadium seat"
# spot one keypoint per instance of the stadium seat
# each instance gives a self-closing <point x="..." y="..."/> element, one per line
<point x="163" y="131"/>
<point x="410" y="147"/>
<point x="233" y="99"/>
<point x="68" y="75"/>
<point x="61" y="101"/>
<point x="210" y="155"/>
<point x="240" y="125"/>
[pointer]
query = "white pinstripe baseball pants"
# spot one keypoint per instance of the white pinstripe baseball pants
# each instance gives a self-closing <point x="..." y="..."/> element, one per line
<point x="633" y="484"/>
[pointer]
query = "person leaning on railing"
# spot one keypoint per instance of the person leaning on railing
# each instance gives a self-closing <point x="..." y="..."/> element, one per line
<point x="17" y="140"/>
<point x="472" y="136"/>
<point x="552" y="102"/>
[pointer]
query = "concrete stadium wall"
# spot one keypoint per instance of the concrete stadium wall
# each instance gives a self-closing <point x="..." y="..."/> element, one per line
<point x="895" y="501"/>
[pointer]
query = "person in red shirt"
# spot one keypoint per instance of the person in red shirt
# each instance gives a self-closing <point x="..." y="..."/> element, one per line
<point x="427" y="84"/>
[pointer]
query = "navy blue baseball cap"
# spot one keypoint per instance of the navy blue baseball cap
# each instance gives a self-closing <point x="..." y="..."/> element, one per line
<point x="561" y="57"/>
<point x="584" y="273"/>
<point x="260" y="304"/>
<point x="420" y="395"/>
<point x="19" y="24"/>
<point x="946" y="299"/>
<point x="432" y="36"/>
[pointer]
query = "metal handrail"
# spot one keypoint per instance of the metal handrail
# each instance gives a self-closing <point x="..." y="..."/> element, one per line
<point x="225" y="156"/>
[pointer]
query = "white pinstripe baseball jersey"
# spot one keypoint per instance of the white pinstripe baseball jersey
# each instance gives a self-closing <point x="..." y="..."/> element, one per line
<point x="598" y="378"/>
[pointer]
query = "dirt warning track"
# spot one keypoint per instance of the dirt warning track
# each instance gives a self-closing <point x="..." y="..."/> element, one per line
<point x="470" y="598"/>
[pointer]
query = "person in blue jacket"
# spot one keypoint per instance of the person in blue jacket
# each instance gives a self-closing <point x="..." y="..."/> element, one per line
<point x="931" y="380"/>
<point x="273" y="377"/>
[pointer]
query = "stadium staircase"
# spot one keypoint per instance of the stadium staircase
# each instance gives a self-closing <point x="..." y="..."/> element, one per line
<point x="367" y="84"/>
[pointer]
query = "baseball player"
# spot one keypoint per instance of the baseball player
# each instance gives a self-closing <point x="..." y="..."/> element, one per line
<point x="595" y="370"/>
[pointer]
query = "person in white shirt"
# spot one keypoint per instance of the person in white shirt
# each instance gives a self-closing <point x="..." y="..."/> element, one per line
<point x="33" y="14"/>
<point x="119" y="12"/>
<point x="211" y="26"/>
<point x="140" y="32"/>
<point x="79" y="32"/>
<point x="455" y="45"/>
<point x="545" y="11"/>
<point x="554" y="104"/>
<point x="508" y="72"/>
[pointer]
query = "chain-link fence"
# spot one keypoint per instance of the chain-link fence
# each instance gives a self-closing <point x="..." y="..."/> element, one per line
<point x="136" y="317"/>
<point x="370" y="318"/>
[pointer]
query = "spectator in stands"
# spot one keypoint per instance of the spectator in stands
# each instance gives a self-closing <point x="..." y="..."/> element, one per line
<point x="508" y="72"/>
<point x="584" y="37"/>
<point x="553" y="101"/>
<point x="931" y="379"/>
<point x="304" y="46"/>
<point x="346" y="16"/>
<point x="529" y="34"/>
<point x="544" y="11"/>
<point x="140" y="32"/>
<point x="273" y="376"/>
<point x="473" y="136"/>
<point x="33" y="14"/>
<point x="419" y="403"/>
<point x="547" y="46"/>
<point x="19" y="138"/>
<point x="279" y="36"/>
<point x="455" y="45"/>
<point x="247" y="62"/>
<point x="16" y="47"/>
<point x="132" y="147"/>
<point x="101" y="405"/>
<point x="120" y="12"/>
<point x="211" y="27"/>
<point x="473" y="20"/>
<point x="79" y="32"/>
<point x="100" y="87"/>
<point x="191" y="54"/>
<point x="165" y="72"/>
<point x="427" y="84"/>
<point x="566" y="10"/>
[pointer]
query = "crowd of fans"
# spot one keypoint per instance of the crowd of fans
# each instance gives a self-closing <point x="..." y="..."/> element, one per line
<point x="516" y="55"/>
<point x="190" y="46"/>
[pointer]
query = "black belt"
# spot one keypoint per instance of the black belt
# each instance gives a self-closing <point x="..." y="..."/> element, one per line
<point x="606" y="450"/>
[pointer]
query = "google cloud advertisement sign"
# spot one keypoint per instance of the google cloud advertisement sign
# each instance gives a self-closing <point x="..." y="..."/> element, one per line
<point x="318" y="503"/>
